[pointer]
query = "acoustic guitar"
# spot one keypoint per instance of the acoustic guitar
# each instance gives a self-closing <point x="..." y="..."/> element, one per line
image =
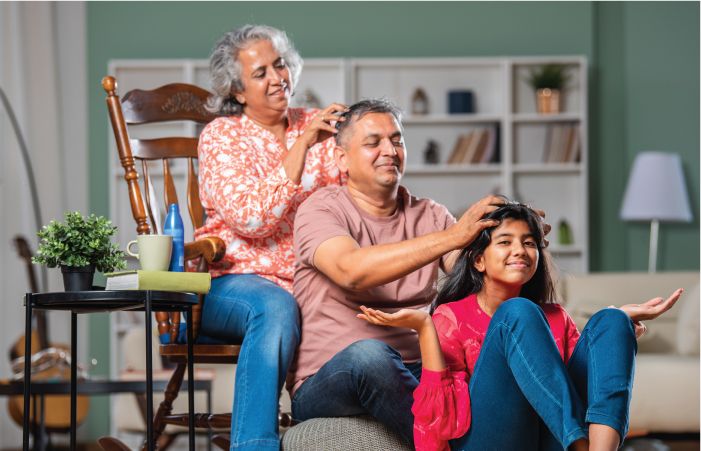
<point x="48" y="362"/>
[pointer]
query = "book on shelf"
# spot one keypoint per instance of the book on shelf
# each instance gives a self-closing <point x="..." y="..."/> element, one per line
<point x="492" y="155"/>
<point x="477" y="146"/>
<point x="462" y="144"/>
<point x="191" y="282"/>
<point x="561" y="144"/>
<point x="547" y="144"/>
<point x="486" y="152"/>
<point x="573" y="146"/>
<point x="557" y="144"/>
<point x="454" y="153"/>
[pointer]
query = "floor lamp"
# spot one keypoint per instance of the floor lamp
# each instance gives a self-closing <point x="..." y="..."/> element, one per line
<point x="656" y="192"/>
<point x="30" y="176"/>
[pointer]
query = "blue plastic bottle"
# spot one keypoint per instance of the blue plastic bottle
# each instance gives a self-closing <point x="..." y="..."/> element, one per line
<point x="174" y="227"/>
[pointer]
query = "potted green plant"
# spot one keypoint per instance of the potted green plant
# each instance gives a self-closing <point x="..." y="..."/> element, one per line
<point x="548" y="81"/>
<point x="79" y="245"/>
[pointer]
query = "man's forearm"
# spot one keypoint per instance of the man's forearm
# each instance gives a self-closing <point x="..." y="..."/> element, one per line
<point x="343" y="261"/>
<point x="365" y="268"/>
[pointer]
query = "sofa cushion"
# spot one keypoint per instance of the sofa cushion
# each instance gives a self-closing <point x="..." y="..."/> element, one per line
<point x="356" y="433"/>
<point x="665" y="394"/>
<point x="587" y="294"/>
<point x="688" y="322"/>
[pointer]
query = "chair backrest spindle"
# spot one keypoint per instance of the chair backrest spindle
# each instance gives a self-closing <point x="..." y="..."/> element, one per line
<point x="193" y="195"/>
<point x="169" y="194"/>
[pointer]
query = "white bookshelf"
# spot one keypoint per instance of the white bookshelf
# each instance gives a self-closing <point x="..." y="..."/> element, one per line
<point x="502" y="99"/>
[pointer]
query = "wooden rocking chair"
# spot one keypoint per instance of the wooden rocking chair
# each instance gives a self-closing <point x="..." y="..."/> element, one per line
<point x="173" y="102"/>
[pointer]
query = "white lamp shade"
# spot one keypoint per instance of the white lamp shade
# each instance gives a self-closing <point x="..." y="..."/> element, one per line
<point x="656" y="189"/>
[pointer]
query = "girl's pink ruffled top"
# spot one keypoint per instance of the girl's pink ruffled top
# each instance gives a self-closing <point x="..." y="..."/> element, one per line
<point x="442" y="399"/>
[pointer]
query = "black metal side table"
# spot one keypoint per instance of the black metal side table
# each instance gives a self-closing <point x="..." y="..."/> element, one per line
<point x="78" y="302"/>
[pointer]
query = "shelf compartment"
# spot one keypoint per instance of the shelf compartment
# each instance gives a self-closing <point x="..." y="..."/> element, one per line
<point x="573" y="95"/>
<point x="557" y="194"/>
<point x="417" y="138"/>
<point x="547" y="144"/>
<point x="399" y="79"/>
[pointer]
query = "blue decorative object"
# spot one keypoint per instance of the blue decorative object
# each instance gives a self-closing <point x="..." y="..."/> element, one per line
<point x="174" y="227"/>
<point x="461" y="101"/>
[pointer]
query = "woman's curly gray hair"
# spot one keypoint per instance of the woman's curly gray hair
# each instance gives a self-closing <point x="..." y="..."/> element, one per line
<point x="225" y="68"/>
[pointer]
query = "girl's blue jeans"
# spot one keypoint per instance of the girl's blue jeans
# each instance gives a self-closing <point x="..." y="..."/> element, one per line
<point x="253" y="309"/>
<point x="524" y="397"/>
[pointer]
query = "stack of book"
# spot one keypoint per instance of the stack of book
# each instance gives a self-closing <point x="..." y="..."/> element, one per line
<point x="477" y="146"/>
<point x="190" y="282"/>
<point x="562" y="144"/>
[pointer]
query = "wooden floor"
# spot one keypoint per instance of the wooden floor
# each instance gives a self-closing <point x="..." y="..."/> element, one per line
<point x="682" y="442"/>
<point x="666" y="442"/>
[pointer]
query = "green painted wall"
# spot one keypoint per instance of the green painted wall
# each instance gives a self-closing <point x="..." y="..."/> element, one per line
<point x="644" y="83"/>
<point x="662" y="113"/>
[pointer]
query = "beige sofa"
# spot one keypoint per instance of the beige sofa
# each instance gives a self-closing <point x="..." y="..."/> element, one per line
<point x="666" y="387"/>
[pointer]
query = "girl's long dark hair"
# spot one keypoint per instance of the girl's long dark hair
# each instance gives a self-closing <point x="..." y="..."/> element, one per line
<point x="465" y="280"/>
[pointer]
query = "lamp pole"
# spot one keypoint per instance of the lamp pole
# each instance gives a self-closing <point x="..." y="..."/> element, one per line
<point x="654" y="233"/>
<point x="30" y="175"/>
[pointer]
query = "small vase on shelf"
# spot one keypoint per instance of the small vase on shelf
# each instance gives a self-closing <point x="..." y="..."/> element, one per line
<point x="548" y="101"/>
<point x="431" y="153"/>
<point x="548" y="81"/>
<point x="419" y="102"/>
<point x="564" y="233"/>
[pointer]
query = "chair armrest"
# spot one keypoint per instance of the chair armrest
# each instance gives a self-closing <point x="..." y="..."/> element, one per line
<point x="211" y="248"/>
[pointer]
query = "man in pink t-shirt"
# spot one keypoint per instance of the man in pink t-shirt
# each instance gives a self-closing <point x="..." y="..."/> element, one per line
<point x="368" y="243"/>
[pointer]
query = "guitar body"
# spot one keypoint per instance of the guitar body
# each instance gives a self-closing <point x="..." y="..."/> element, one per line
<point x="17" y="349"/>
<point x="57" y="408"/>
<point x="48" y="363"/>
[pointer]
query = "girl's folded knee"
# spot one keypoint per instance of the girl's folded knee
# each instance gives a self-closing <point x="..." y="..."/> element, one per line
<point x="517" y="308"/>
<point x="611" y="318"/>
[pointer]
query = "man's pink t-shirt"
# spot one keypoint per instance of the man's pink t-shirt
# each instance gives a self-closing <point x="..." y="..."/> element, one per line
<point x="329" y="322"/>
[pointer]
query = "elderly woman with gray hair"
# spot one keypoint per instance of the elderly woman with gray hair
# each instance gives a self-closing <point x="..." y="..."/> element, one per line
<point x="258" y="162"/>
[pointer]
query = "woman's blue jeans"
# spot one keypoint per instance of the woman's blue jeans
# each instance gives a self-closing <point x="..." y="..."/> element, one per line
<point x="253" y="309"/>
<point x="524" y="397"/>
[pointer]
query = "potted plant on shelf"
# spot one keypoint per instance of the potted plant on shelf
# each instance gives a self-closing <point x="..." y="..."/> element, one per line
<point x="79" y="245"/>
<point x="548" y="81"/>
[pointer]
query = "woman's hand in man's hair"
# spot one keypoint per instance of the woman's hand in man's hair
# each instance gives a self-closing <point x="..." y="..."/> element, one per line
<point x="323" y="126"/>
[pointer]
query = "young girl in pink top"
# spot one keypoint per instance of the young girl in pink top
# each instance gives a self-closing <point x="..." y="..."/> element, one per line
<point x="504" y="366"/>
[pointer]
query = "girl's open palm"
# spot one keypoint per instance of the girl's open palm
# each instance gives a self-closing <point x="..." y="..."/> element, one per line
<point x="410" y="318"/>
<point x="652" y="308"/>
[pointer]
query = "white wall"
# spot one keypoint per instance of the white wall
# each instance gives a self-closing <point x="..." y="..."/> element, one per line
<point x="43" y="72"/>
